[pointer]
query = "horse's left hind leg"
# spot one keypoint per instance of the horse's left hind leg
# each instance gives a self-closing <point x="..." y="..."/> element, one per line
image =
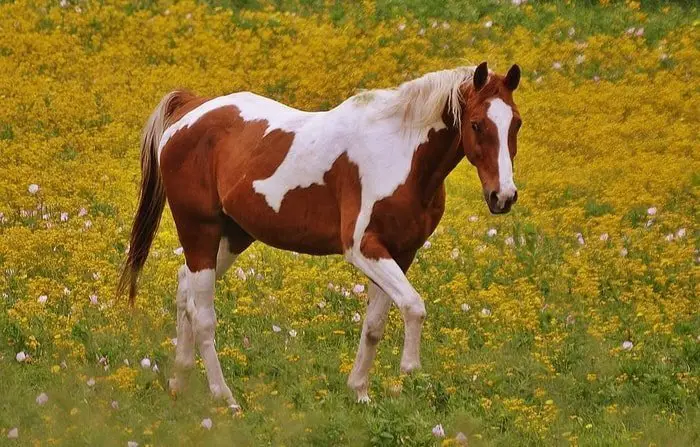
<point x="208" y="254"/>
<point x="184" y="351"/>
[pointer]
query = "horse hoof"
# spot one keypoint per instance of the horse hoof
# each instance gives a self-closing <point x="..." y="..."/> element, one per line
<point x="363" y="398"/>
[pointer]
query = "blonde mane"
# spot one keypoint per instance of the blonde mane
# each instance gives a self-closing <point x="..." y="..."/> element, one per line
<point x="422" y="101"/>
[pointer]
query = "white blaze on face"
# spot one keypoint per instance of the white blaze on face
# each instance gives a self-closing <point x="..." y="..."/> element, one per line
<point x="501" y="114"/>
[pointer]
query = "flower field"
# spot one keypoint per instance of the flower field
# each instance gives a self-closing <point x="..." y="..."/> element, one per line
<point x="573" y="320"/>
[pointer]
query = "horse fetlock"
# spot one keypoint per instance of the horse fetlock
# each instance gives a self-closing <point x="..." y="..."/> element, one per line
<point x="408" y="365"/>
<point x="357" y="381"/>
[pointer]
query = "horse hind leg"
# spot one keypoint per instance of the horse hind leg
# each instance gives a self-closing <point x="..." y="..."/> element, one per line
<point x="184" y="350"/>
<point x="196" y="290"/>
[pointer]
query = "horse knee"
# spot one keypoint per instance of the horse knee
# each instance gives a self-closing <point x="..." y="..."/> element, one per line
<point x="414" y="310"/>
<point x="374" y="331"/>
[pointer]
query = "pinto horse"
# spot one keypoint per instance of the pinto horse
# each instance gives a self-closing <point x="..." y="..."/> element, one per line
<point x="365" y="180"/>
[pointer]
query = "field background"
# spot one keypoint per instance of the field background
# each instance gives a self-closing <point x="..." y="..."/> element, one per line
<point x="523" y="344"/>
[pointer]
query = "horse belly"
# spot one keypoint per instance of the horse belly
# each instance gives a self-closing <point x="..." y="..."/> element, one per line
<point x="308" y="220"/>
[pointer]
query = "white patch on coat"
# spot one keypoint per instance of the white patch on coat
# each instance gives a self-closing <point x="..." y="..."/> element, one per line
<point x="224" y="257"/>
<point x="501" y="114"/>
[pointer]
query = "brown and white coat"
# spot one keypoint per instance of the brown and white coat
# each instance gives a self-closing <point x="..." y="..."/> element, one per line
<point x="365" y="179"/>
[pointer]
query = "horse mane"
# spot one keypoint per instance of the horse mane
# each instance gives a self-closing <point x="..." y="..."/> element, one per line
<point x="421" y="102"/>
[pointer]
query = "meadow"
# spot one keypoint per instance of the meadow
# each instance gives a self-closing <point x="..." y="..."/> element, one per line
<point x="573" y="320"/>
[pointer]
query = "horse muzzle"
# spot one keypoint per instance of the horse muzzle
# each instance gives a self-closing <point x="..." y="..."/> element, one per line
<point x="500" y="203"/>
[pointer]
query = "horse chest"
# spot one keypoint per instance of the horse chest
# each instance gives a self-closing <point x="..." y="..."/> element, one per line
<point x="404" y="222"/>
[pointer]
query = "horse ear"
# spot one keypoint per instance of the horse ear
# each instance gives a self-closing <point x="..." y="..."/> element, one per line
<point x="513" y="77"/>
<point x="481" y="75"/>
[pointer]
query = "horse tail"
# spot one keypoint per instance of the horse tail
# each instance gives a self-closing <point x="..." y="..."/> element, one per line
<point x="152" y="195"/>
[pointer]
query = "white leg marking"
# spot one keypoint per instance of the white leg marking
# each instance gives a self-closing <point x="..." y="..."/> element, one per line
<point x="501" y="114"/>
<point x="224" y="258"/>
<point x="184" y="351"/>
<point x="372" y="331"/>
<point x="387" y="274"/>
<point x="200" y="293"/>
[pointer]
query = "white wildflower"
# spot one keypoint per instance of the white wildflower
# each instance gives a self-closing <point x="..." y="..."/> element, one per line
<point x="178" y="251"/>
<point x="623" y="252"/>
<point x="145" y="363"/>
<point x="604" y="237"/>
<point x="292" y="333"/>
<point x="465" y="307"/>
<point x="652" y="211"/>
<point x="91" y="382"/>
<point x="13" y="433"/>
<point x="42" y="299"/>
<point x="93" y="299"/>
<point x="627" y="345"/>
<point x="42" y="398"/>
<point x="358" y="289"/>
<point x="427" y="244"/>
<point x="438" y="431"/>
<point x="21" y="356"/>
<point x="473" y="218"/>
<point x="321" y="304"/>
<point x="509" y="240"/>
<point x="207" y="423"/>
<point x="82" y="212"/>
<point x="488" y="24"/>
<point x="241" y="274"/>
<point x="492" y="232"/>
<point x="33" y="188"/>
<point x="680" y="233"/>
<point x="276" y="328"/>
<point x="486" y="312"/>
<point x="455" y="253"/>
<point x="356" y="318"/>
<point x="556" y="65"/>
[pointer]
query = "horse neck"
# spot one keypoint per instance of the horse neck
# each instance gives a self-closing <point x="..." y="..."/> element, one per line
<point x="436" y="158"/>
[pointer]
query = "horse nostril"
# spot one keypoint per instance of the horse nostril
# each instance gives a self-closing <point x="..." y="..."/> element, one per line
<point x="493" y="198"/>
<point x="515" y="197"/>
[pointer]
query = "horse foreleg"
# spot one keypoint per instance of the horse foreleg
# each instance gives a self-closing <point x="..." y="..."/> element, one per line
<point x="372" y="331"/>
<point x="390" y="277"/>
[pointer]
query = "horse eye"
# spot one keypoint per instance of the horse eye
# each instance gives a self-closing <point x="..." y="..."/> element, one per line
<point x="475" y="126"/>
